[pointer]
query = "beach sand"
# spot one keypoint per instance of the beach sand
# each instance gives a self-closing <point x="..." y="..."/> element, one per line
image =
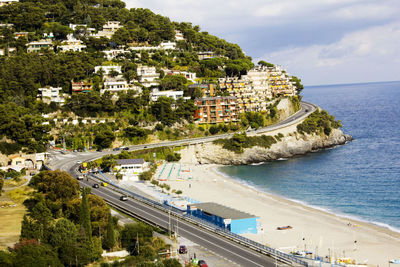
<point x="314" y="230"/>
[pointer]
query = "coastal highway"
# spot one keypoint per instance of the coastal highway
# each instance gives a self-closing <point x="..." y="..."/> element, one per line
<point x="305" y="111"/>
<point x="225" y="248"/>
<point x="217" y="244"/>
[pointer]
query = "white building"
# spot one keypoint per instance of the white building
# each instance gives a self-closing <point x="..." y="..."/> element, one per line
<point x="111" y="54"/>
<point x="163" y="46"/>
<point x="130" y="168"/>
<point x="50" y="94"/>
<point x="108" y="69"/>
<point x="205" y="55"/>
<point x="7" y="2"/>
<point x="115" y="85"/>
<point x="38" y="45"/>
<point x="74" y="27"/>
<point x="10" y="50"/>
<point x="72" y="44"/>
<point x="191" y="76"/>
<point x="171" y="94"/>
<point x="179" y="36"/>
<point x="109" y="29"/>
<point x="147" y="75"/>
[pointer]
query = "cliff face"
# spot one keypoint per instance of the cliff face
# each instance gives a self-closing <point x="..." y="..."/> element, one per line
<point x="290" y="145"/>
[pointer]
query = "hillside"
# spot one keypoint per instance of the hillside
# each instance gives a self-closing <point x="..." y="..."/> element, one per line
<point x="93" y="74"/>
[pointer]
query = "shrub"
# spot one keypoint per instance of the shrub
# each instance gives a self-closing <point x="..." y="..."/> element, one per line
<point x="318" y="123"/>
<point x="213" y="130"/>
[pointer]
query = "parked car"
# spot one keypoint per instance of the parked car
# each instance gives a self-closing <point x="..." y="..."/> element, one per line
<point x="116" y="149"/>
<point x="95" y="186"/>
<point x="80" y="177"/>
<point x="182" y="249"/>
<point x="125" y="148"/>
<point x="202" y="263"/>
<point x="123" y="198"/>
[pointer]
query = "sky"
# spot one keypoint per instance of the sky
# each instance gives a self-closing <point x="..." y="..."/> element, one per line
<point x="320" y="41"/>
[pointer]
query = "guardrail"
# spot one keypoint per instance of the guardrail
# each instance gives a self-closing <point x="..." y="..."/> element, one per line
<point x="206" y="225"/>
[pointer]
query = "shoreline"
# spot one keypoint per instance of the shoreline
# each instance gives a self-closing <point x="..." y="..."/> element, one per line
<point x="338" y="214"/>
<point x="316" y="229"/>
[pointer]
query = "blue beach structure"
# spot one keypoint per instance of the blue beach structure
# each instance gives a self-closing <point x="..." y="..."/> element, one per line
<point x="236" y="221"/>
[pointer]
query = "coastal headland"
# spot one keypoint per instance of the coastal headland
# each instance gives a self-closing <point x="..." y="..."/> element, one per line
<point x="325" y="234"/>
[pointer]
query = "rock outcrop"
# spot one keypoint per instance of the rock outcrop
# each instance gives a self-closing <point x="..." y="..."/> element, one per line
<point x="290" y="145"/>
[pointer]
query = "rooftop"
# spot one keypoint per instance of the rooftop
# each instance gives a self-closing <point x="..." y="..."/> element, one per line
<point x="222" y="211"/>
<point x="129" y="161"/>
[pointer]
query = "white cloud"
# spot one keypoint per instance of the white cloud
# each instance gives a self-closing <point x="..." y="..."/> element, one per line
<point x="368" y="55"/>
<point x="325" y="41"/>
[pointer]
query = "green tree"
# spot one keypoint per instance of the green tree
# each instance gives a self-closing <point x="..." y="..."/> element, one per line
<point x="109" y="240"/>
<point x="84" y="216"/>
<point x="64" y="240"/>
<point x="28" y="252"/>
<point x="131" y="233"/>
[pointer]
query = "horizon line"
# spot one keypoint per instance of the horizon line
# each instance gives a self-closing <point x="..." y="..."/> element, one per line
<point x="353" y="83"/>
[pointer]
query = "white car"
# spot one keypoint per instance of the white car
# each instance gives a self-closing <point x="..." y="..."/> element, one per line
<point x="79" y="162"/>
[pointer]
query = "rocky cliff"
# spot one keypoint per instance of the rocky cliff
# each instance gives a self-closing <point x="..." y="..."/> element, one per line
<point x="290" y="145"/>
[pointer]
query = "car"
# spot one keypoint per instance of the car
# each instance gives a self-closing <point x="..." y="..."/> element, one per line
<point x="80" y="177"/>
<point x="116" y="149"/>
<point x="202" y="263"/>
<point x="182" y="249"/>
<point x="95" y="186"/>
<point x="306" y="110"/>
<point x="123" y="198"/>
<point x="145" y="147"/>
<point x="79" y="162"/>
<point x="126" y="148"/>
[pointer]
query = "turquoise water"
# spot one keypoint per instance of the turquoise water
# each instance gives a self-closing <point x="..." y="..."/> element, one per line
<point x="360" y="179"/>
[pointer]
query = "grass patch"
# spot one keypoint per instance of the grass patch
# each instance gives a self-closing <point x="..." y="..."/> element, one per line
<point x="11" y="213"/>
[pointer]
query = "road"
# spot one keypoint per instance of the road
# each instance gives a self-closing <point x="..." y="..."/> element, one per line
<point x="212" y="241"/>
<point x="306" y="109"/>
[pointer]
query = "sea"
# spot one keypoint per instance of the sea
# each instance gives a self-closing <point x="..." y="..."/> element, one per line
<point x="358" y="180"/>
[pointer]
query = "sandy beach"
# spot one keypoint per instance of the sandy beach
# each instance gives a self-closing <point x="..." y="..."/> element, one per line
<point x="313" y="230"/>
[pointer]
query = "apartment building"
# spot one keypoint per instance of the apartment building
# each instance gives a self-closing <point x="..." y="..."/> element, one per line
<point x="216" y="109"/>
<point x="72" y="44"/>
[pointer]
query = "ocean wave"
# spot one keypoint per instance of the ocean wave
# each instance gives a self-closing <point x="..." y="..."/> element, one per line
<point x="256" y="164"/>
<point x="331" y="211"/>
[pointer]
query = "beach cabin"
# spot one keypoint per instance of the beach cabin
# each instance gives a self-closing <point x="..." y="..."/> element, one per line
<point x="236" y="221"/>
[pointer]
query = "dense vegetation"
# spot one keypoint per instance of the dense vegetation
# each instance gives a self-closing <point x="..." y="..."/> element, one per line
<point x="68" y="226"/>
<point x="239" y="142"/>
<point x="319" y="122"/>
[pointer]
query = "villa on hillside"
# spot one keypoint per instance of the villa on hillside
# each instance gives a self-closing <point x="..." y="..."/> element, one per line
<point x="72" y="44"/>
<point x="50" y="94"/>
<point x="171" y="94"/>
<point x="108" y="70"/>
<point x="36" y="46"/>
<point x="190" y="76"/>
<point x="109" y="29"/>
<point x="148" y="76"/>
<point x="118" y="84"/>
<point x="82" y="87"/>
